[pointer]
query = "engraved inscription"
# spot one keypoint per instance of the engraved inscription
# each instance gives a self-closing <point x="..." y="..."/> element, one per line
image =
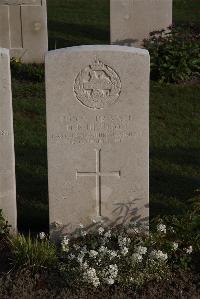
<point x="101" y="129"/>
<point x="4" y="133"/>
<point x="97" y="86"/>
<point x="98" y="174"/>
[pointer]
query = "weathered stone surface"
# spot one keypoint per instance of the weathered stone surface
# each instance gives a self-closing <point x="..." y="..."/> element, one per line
<point x="7" y="160"/>
<point x="133" y="20"/>
<point x="23" y="29"/>
<point x="97" y="120"/>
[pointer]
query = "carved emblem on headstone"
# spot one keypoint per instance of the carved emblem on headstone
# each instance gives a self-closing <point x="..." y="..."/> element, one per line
<point x="97" y="86"/>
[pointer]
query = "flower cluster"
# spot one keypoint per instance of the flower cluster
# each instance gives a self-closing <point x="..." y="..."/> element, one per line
<point x="109" y="256"/>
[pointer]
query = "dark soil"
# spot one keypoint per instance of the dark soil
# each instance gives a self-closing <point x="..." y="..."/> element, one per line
<point x="181" y="285"/>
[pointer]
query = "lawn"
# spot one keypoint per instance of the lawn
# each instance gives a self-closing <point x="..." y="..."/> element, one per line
<point x="174" y="119"/>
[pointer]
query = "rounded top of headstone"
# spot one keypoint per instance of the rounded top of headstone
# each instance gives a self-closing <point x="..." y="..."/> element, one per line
<point x="4" y="51"/>
<point x="99" y="48"/>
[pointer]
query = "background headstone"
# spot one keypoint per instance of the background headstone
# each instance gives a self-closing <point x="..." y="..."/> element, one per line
<point x="23" y="29"/>
<point x="7" y="158"/>
<point x="131" y="21"/>
<point x="97" y="120"/>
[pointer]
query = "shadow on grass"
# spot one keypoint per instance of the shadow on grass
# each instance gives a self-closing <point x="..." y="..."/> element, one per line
<point x="69" y="34"/>
<point x="173" y="179"/>
<point x="32" y="188"/>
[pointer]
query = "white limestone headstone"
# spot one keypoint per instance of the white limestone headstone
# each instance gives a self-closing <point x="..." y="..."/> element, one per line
<point x="7" y="157"/>
<point x="131" y="21"/>
<point x="23" y="29"/>
<point x="98" y="124"/>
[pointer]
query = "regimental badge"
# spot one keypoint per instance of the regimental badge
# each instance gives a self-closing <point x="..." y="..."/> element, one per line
<point x="97" y="86"/>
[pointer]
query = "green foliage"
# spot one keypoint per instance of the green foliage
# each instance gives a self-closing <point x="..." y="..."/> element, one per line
<point x="4" y="226"/>
<point x="31" y="253"/>
<point x="175" y="54"/>
<point x="4" y="241"/>
<point x="27" y="72"/>
<point x="123" y="256"/>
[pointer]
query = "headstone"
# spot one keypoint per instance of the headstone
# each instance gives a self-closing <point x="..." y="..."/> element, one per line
<point x="132" y="20"/>
<point x="97" y="120"/>
<point x="7" y="159"/>
<point x="23" y="29"/>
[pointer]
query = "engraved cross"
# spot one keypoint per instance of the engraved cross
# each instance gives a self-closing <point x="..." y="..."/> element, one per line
<point x="98" y="174"/>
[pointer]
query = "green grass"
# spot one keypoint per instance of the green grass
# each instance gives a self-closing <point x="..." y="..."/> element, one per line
<point x="78" y="22"/>
<point x="186" y="11"/>
<point x="174" y="120"/>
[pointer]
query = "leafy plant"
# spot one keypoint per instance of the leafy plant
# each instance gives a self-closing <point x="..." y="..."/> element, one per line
<point x="27" y="72"/>
<point x="175" y="54"/>
<point x="4" y="227"/>
<point x="34" y="254"/>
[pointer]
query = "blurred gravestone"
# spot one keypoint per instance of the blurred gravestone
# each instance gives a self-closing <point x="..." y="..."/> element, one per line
<point x="7" y="160"/>
<point x="97" y="120"/>
<point x="132" y="20"/>
<point x="23" y="29"/>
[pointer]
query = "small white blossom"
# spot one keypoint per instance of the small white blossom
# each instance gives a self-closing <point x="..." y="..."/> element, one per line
<point x="101" y="230"/>
<point x="93" y="253"/>
<point x="124" y="251"/>
<point x="110" y="281"/>
<point x="84" y="249"/>
<point x="85" y="265"/>
<point x="112" y="254"/>
<point x="136" y="257"/>
<point x="80" y="258"/>
<point x="161" y="228"/>
<point x="189" y="250"/>
<point x="175" y="246"/>
<point x="64" y="244"/>
<point x="42" y="236"/>
<point x="103" y="249"/>
<point x="107" y="234"/>
<point x="81" y="225"/>
<point x="83" y="233"/>
<point x="123" y="241"/>
<point x="91" y="277"/>
<point x="159" y="255"/>
<point x="141" y="250"/>
<point x="76" y="247"/>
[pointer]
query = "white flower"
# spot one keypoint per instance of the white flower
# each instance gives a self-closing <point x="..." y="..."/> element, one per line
<point x="123" y="241"/>
<point x="101" y="230"/>
<point x="83" y="233"/>
<point x="103" y="249"/>
<point x="85" y="265"/>
<point x="141" y="250"/>
<point x="65" y="240"/>
<point x="81" y="225"/>
<point x="137" y="257"/>
<point x="107" y="234"/>
<point x="76" y="247"/>
<point x="189" y="250"/>
<point x="42" y="235"/>
<point x="159" y="255"/>
<point x="110" y="281"/>
<point x="112" y="254"/>
<point x="161" y="228"/>
<point x="93" y="253"/>
<point x="80" y="258"/>
<point x="64" y="244"/>
<point x="84" y="249"/>
<point x="91" y="277"/>
<point x="110" y="273"/>
<point x="175" y="246"/>
<point x="124" y="251"/>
